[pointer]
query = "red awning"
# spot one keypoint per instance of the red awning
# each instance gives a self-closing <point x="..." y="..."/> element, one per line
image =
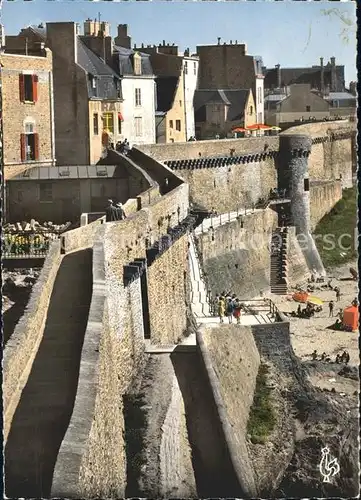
<point x="120" y="116"/>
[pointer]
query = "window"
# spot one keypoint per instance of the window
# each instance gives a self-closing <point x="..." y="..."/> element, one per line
<point x="108" y="122"/>
<point x="306" y="184"/>
<point x="137" y="64"/>
<point x="195" y="68"/>
<point x="138" y="126"/>
<point x="251" y="110"/>
<point x="28" y="87"/>
<point x="170" y="123"/>
<point x="120" y="119"/>
<point x="186" y="67"/>
<point x="180" y="103"/>
<point x="259" y="90"/>
<point x="29" y="144"/>
<point x="95" y="124"/>
<point x="138" y="97"/>
<point x="308" y="108"/>
<point x="46" y="192"/>
<point x="178" y="125"/>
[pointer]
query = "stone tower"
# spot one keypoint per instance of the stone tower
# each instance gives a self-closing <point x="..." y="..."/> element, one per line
<point x="293" y="176"/>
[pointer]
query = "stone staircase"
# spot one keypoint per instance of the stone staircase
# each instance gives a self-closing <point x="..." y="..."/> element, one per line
<point x="278" y="269"/>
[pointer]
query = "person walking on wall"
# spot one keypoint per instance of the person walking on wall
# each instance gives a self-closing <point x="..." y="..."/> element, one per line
<point x="229" y="309"/>
<point x="237" y="311"/>
<point x="110" y="212"/>
<point x="330" y="307"/>
<point x="120" y="211"/>
<point x="215" y="304"/>
<point x="221" y="309"/>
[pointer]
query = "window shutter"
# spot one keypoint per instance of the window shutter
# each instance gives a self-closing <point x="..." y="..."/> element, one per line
<point x="23" y="147"/>
<point x="21" y="88"/>
<point x="36" y="146"/>
<point x="35" y="80"/>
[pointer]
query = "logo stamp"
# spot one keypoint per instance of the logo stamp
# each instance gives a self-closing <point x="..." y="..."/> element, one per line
<point x="329" y="466"/>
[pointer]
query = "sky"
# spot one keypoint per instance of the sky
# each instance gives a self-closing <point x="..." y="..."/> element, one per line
<point x="292" y="34"/>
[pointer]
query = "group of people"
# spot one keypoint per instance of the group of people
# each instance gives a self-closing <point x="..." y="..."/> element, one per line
<point x="340" y="358"/>
<point x="227" y="305"/>
<point x="122" y="147"/>
<point x="308" y="312"/>
<point x="276" y="194"/>
<point x="114" y="212"/>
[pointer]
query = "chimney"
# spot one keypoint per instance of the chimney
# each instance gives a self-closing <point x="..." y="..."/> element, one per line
<point x="62" y="41"/>
<point x="219" y="40"/>
<point x="353" y="88"/>
<point x="322" y="76"/>
<point x="333" y="75"/>
<point x="236" y="42"/>
<point x="123" y="40"/>
<point x="163" y="43"/>
<point x="142" y="45"/>
<point x="278" y="71"/>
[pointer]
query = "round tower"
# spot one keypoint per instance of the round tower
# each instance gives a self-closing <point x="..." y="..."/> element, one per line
<point x="293" y="176"/>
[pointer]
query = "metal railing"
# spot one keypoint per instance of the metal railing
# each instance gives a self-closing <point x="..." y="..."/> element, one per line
<point x="27" y="245"/>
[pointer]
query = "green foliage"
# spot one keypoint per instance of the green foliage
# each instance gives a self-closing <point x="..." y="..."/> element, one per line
<point x="262" y="419"/>
<point x="341" y="220"/>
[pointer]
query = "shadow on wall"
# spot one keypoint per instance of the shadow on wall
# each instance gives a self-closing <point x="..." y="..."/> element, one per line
<point x="46" y="404"/>
<point x="213" y="470"/>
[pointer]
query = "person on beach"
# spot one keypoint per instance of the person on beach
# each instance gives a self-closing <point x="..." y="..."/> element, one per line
<point x="338" y="294"/>
<point x="330" y="307"/>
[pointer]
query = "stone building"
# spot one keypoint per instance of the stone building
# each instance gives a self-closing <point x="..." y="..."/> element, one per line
<point x="170" y="115"/>
<point x="218" y="111"/>
<point x="168" y="61"/>
<point x="87" y="93"/>
<point x="62" y="194"/>
<point x="27" y="108"/>
<point x="229" y="67"/>
<point x="295" y="103"/>
<point x="342" y="104"/>
<point x="319" y="77"/>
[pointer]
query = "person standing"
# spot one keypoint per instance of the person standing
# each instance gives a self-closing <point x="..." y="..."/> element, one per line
<point x="338" y="294"/>
<point x="330" y="307"/>
<point x="229" y="310"/>
<point x="237" y="311"/>
<point x="110" y="212"/>
<point x="221" y="309"/>
<point x="120" y="211"/>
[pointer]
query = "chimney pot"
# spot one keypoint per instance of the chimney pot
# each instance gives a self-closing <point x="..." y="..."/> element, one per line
<point x="230" y="42"/>
<point x="236" y="42"/>
<point x="163" y="43"/>
<point x="219" y="40"/>
<point x="142" y="45"/>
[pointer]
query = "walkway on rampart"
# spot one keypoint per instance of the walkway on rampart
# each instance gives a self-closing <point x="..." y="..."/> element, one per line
<point x="45" y="408"/>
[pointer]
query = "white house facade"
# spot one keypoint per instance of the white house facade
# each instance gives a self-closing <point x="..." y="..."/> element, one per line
<point x="138" y="109"/>
<point x="190" y="78"/>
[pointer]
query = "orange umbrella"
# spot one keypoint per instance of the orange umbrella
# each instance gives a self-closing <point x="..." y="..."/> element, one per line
<point x="239" y="129"/>
<point x="300" y="297"/>
<point x="258" y="126"/>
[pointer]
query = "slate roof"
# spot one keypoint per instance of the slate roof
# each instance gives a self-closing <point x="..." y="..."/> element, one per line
<point x="123" y="59"/>
<point x="107" y="81"/>
<point x="311" y="75"/>
<point x="39" y="30"/>
<point x="166" y="90"/>
<point x="72" y="172"/>
<point x="235" y="99"/>
<point x="341" y="96"/>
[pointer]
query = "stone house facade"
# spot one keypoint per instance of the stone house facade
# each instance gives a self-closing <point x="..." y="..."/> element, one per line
<point x="300" y="103"/>
<point x="170" y="115"/>
<point x="217" y="112"/>
<point x="27" y="110"/>
<point x="87" y="93"/>
<point x="229" y="67"/>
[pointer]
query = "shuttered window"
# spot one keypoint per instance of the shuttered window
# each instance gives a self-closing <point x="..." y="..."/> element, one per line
<point x="29" y="147"/>
<point x="28" y="88"/>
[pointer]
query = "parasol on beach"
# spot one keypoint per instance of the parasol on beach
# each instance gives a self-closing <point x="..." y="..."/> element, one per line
<point x="300" y="297"/>
<point x="314" y="301"/>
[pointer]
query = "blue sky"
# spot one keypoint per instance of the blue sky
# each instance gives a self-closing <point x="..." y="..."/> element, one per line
<point x="288" y="33"/>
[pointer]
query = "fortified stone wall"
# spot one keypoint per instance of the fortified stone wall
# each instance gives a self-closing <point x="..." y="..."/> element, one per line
<point x="230" y="187"/>
<point x="191" y="150"/>
<point x="323" y="197"/>
<point x="231" y="360"/>
<point x="23" y="345"/>
<point x="167" y="294"/>
<point x="237" y="258"/>
<point x="296" y="264"/>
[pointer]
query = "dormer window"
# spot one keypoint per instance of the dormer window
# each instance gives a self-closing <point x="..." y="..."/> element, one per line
<point x="137" y="59"/>
<point x="93" y="82"/>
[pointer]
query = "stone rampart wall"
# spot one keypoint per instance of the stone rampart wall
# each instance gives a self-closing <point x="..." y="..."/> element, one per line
<point x="166" y="279"/>
<point x="231" y="362"/>
<point x="323" y="197"/>
<point x="23" y="345"/>
<point x="191" y="150"/>
<point x="81" y="237"/>
<point x="237" y="258"/>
